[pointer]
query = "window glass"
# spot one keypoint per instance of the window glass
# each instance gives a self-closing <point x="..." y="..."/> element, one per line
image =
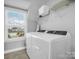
<point x="15" y="21"/>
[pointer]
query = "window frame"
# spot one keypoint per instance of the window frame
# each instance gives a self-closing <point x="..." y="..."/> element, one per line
<point x="7" y="8"/>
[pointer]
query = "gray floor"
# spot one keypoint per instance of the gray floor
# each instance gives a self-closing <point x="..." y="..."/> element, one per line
<point x="16" y="55"/>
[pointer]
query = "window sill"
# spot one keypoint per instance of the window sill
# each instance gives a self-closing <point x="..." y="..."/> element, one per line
<point x="15" y="39"/>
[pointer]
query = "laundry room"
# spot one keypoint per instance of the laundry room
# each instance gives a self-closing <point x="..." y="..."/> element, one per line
<point x="39" y="29"/>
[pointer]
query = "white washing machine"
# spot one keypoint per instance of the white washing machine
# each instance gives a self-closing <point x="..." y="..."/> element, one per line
<point x="48" y="46"/>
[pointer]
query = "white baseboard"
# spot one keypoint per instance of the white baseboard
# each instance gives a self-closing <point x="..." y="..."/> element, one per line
<point x="14" y="50"/>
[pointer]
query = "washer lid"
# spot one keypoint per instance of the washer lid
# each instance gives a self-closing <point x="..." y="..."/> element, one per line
<point x="45" y="36"/>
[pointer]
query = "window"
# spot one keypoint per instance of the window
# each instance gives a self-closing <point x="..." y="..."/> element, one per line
<point x="15" y="22"/>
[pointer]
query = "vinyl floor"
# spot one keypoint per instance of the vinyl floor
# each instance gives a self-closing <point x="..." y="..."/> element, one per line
<point x="16" y="55"/>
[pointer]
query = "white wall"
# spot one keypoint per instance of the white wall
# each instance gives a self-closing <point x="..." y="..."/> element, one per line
<point x="24" y="4"/>
<point x="14" y="45"/>
<point x="33" y="14"/>
<point x="63" y="19"/>
<point x="32" y="6"/>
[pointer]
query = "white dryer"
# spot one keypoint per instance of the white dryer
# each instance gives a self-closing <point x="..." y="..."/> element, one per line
<point x="48" y="46"/>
